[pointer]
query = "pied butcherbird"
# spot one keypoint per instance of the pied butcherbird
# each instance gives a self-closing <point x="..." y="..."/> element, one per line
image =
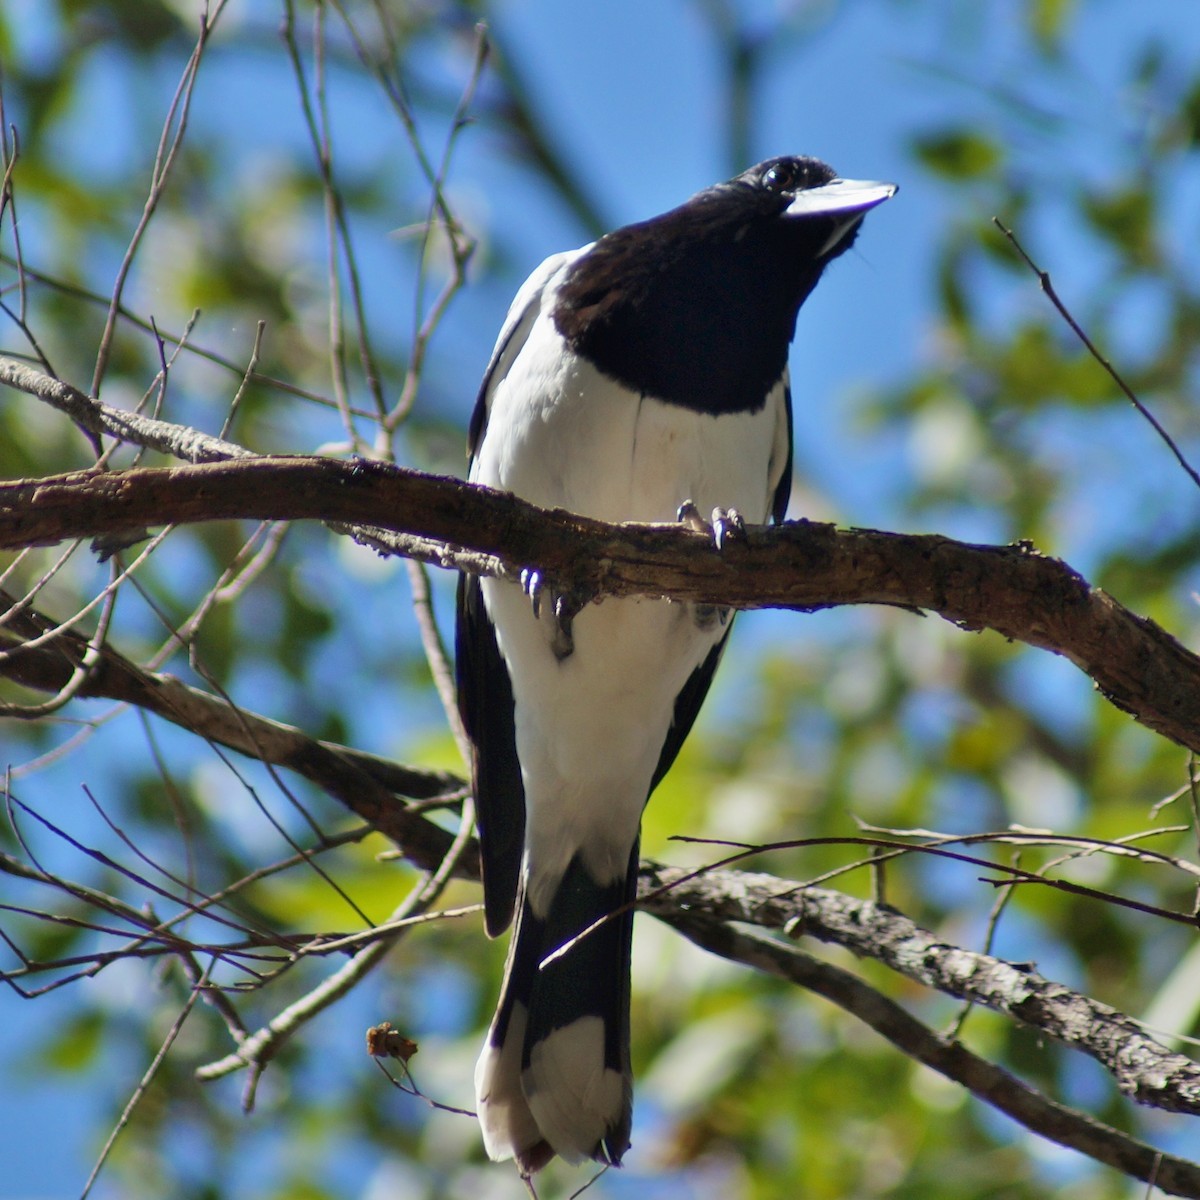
<point x="636" y="377"/>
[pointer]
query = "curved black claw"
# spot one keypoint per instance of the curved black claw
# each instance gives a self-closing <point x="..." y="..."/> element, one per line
<point x="688" y="514"/>
<point x="727" y="523"/>
<point x="563" y="643"/>
<point x="532" y="585"/>
<point x="562" y="608"/>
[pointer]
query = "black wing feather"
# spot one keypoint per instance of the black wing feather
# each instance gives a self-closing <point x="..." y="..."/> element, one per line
<point x="687" y="706"/>
<point x="485" y="702"/>
<point x="783" y="489"/>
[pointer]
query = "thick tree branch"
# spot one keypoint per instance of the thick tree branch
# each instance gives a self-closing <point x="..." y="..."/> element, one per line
<point x="1142" y="1067"/>
<point x="372" y="787"/>
<point x="992" y="1084"/>
<point x="96" y="417"/>
<point x="1010" y="589"/>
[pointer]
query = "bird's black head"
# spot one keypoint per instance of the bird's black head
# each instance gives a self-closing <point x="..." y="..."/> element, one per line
<point x="697" y="306"/>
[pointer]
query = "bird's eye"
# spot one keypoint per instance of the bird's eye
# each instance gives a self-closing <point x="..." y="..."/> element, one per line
<point x="780" y="178"/>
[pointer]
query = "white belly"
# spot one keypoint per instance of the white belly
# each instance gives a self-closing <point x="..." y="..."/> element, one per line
<point x="590" y="727"/>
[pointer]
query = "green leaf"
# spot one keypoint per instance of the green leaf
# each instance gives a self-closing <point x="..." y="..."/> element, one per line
<point x="1047" y="21"/>
<point x="1124" y="218"/>
<point x="958" y="154"/>
<point x="75" y="1045"/>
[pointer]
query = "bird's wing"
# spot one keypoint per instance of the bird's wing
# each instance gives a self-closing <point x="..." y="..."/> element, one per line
<point x="485" y="703"/>
<point x="485" y="697"/>
<point x="783" y="453"/>
<point x="687" y="706"/>
<point x="513" y="333"/>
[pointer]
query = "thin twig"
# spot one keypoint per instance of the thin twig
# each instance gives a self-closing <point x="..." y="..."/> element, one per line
<point x="257" y="1050"/>
<point x="462" y="246"/>
<point x="248" y="374"/>
<point x="88" y="296"/>
<point x="1047" y="287"/>
<point x="1003" y="896"/>
<point x="146" y="1080"/>
<point x="339" y="241"/>
<point x="169" y="145"/>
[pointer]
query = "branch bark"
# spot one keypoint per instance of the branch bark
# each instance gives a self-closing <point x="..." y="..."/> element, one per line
<point x="1142" y="1067"/>
<point x="1013" y="590"/>
<point x="990" y="1083"/>
<point x="373" y="788"/>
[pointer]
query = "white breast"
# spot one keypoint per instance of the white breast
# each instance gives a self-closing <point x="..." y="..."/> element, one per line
<point x="590" y="727"/>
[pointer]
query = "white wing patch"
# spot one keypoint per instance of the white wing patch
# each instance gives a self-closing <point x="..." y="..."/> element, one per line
<point x="509" y="1128"/>
<point x="574" y="1098"/>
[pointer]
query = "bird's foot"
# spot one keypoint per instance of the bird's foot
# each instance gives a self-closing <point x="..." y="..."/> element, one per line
<point x="533" y="585"/>
<point x="563" y="642"/>
<point x="563" y="607"/>
<point x="727" y="523"/>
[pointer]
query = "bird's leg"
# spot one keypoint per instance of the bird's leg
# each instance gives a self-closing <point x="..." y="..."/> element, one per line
<point x="726" y="522"/>
<point x="563" y="607"/>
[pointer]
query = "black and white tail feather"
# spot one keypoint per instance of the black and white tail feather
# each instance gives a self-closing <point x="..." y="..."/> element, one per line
<point x="632" y="376"/>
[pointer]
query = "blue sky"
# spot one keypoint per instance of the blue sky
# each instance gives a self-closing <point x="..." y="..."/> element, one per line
<point x="638" y="114"/>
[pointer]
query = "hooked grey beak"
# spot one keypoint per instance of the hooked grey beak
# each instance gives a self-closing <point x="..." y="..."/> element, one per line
<point x="846" y="200"/>
<point x="840" y="196"/>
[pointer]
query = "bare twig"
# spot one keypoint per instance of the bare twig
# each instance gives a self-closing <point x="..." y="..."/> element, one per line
<point x="176" y="440"/>
<point x="145" y="1081"/>
<point x="257" y="1050"/>
<point x="1003" y="896"/>
<point x="339" y="244"/>
<point x="248" y="375"/>
<point x="236" y="369"/>
<point x="170" y="142"/>
<point x="1044" y="283"/>
<point x="368" y="785"/>
<point x="461" y="245"/>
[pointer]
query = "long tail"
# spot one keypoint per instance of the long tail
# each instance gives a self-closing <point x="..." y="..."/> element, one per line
<point x="554" y="1074"/>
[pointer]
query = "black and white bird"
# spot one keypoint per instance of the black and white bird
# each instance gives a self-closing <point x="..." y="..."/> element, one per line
<point x="639" y="376"/>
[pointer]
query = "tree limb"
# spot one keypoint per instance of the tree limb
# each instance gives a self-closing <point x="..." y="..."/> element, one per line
<point x="801" y="565"/>
<point x="179" y="441"/>
<point x="1142" y="1067"/>
<point x="368" y="785"/>
<point x="992" y="1084"/>
<point x="1013" y="590"/>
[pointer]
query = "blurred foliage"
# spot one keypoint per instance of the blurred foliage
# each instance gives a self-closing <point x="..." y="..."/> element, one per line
<point x="1002" y="429"/>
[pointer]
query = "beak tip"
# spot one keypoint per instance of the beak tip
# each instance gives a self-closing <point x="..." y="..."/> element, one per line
<point x="841" y="196"/>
